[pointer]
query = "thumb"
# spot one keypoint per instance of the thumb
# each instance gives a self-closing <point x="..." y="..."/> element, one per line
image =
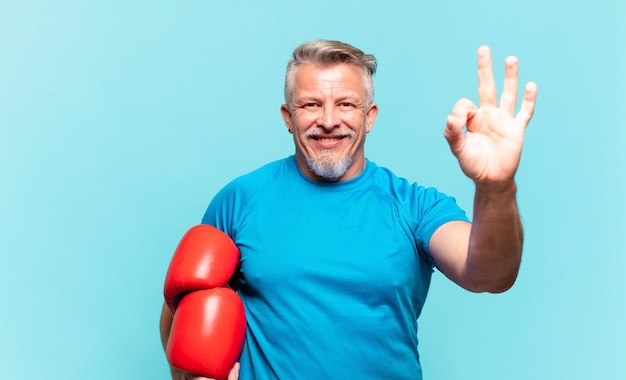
<point x="234" y="372"/>
<point x="454" y="134"/>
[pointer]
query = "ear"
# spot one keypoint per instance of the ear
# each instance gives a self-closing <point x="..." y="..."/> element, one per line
<point x="370" y="116"/>
<point x="287" y="117"/>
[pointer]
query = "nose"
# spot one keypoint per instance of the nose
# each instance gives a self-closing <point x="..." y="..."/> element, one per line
<point x="329" y="117"/>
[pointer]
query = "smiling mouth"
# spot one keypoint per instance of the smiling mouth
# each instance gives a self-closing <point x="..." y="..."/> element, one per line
<point x="328" y="142"/>
<point x="328" y="138"/>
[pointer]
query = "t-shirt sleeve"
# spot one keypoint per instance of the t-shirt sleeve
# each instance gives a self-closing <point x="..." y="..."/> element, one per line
<point x="434" y="210"/>
<point x="224" y="209"/>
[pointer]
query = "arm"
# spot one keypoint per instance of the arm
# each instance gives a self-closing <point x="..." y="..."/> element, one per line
<point x="165" y="324"/>
<point x="485" y="256"/>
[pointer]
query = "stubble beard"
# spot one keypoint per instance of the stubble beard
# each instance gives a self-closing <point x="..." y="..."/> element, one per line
<point x="325" y="164"/>
<point x="328" y="167"/>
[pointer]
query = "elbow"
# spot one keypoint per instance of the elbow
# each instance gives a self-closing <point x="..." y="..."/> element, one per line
<point x="492" y="285"/>
<point x="492" y="277"/>
<point x="500" y="287"/>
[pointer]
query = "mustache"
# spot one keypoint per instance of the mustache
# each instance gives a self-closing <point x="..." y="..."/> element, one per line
<point x="320" y="132"/>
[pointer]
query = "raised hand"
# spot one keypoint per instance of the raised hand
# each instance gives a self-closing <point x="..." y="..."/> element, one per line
<point x="489" y="151"/>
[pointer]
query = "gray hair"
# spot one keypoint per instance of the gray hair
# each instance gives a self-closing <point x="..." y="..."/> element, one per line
<point x="328" y="53"/>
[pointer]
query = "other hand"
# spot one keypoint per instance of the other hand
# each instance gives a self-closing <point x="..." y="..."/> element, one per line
<point x="490" y="149"/>
<point x="180" y="375"/>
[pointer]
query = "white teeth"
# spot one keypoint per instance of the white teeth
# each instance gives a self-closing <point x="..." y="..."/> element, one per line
<point x="328" y="139"/>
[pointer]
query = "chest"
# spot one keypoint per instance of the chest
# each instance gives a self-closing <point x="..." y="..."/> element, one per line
<point x="352" y="248"/>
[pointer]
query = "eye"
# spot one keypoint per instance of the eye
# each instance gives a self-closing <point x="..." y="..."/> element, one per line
<point x="346" y="105"/>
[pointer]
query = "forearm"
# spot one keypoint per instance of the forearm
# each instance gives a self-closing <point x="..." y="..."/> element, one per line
<point x="165" y="324"/>
<point x="496" y="238"/>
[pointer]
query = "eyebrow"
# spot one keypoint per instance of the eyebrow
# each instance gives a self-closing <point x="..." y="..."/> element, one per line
<point x="309" y="98"/>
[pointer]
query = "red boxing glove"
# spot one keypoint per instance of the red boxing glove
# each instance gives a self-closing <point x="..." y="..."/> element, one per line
<point x="205" y="258"/>
<point x="208" y="333"/>
<point x="209" y="326"/>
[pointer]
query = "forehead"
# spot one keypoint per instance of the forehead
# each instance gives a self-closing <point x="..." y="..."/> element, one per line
<point x="310" y="77"/>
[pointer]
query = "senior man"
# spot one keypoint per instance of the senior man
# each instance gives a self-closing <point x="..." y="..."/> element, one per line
<point x="336" y="252"/>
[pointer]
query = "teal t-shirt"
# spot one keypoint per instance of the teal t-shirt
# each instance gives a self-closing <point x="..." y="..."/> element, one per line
<point x="333" y="275"/>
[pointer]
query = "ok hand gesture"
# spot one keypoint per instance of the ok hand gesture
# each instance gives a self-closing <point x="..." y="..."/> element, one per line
<point x="489" y="151"/>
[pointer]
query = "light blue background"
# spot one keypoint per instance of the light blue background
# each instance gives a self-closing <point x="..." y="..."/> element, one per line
<point x="119" y="120"/>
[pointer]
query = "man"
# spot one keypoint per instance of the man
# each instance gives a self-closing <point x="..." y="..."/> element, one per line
<point x="336" y="252"/>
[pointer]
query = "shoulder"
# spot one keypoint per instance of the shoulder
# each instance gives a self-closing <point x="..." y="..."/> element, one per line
<point x="233" y="200"/>
<point x="261" y="177"/>
<point x="417" y="199"/>
<point x="259" y="182"/>
<point x="400" y="187"/>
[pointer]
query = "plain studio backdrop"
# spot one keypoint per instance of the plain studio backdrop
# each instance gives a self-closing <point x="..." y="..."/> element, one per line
<point x="120" y="120"/>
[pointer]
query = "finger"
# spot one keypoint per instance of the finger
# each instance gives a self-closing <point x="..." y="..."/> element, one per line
<point x="508" y="100"/>
<point x="454" y="135"/>
<point x="234" y="372"/>
<point x="528" y="104"/>
<point x="454" y="127"/>
<point x="487" y="93"/>
<point x="463" y="111"/>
